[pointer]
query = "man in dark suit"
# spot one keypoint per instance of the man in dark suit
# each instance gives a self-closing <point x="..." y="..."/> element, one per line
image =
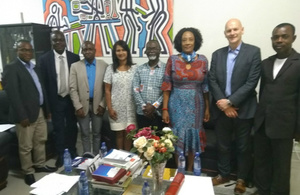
<point x="28" y="108"/>
<point x="277" y="119"/>
<point x="234" y="73"/>
<point x="55" y="66"/>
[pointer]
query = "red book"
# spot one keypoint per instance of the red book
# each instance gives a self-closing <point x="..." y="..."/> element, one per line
<point x="175" y="185"/>
<point x="108" y="173"/>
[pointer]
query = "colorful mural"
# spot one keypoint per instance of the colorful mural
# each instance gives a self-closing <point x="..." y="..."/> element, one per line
<point x="106" y="21"/>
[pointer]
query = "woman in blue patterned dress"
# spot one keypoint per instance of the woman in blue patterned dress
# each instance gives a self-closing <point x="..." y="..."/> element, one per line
<point x="185" y="89"/>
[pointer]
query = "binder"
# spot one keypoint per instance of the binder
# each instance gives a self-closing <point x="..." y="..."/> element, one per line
<point x="108" y="173"/>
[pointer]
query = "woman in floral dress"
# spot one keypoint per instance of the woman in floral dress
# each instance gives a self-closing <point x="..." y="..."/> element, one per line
<point x="186" y="102"/>
<point x="118" y="93"/>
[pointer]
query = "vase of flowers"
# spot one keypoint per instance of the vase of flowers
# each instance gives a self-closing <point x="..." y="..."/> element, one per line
<point x="155" y="146"/>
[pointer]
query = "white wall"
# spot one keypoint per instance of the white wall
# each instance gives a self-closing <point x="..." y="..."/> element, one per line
<point x="258" y="17"/>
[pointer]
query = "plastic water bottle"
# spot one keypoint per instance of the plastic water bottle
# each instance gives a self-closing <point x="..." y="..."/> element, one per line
<point x="103" y="150"/>
<point x="197" y="164"/>
<point x="83" y="184"/>
<point x="67" y="161"/>
<point x="181" y="163"/>
<point x="146" y="189"/>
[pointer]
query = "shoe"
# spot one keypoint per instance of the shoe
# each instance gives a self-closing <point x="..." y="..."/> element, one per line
<point x="59" y="162"/>
<point x="29" y="179"/>
<point x="240" y="187"/>
<point x="46" y="169"/>
<point x="219" y="180"/>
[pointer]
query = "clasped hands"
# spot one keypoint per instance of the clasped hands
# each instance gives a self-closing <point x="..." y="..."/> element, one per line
<point x="80" y="113"/>
<point x="149" y="110"/>
<point x="229" y="111"/>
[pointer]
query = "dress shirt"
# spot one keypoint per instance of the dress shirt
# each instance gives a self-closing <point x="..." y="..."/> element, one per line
<point x="147" y="86"/>
<point x="231" y="58"/>
<point x="57" y="63"/>
<point x="91" y="72"/>
<point x="30" y="67"/>
<point x="277" y="66"/>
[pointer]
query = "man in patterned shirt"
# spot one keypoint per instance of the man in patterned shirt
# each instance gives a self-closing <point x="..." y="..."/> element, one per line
<point x="147" y="88"/>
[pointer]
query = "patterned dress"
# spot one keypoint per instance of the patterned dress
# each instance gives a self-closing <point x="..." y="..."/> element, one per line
<point x="187" y="83"/>
<point x="121" y="97"/>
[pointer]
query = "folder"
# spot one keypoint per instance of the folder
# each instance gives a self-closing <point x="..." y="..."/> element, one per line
<point x="108" y="173"/>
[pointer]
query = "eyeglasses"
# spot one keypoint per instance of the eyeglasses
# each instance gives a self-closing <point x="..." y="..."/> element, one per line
<point x="25" y="50"/>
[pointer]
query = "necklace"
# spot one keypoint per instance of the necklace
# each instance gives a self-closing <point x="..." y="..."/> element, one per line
<point x="188" y="66"/>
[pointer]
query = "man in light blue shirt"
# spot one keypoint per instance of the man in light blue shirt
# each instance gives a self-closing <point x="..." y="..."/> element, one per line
<point x="147" y="88"/>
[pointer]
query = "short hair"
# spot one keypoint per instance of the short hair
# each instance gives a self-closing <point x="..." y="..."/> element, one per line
<point x="116" y="63"/>
<point x="286" y="24"/>
<point x="154" y="41"/>
<point x="197" y="35"/>
<point x="17" y="44"/>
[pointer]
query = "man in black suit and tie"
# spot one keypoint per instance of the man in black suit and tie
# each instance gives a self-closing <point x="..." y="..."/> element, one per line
<point x="234" y="74"/>
<point x="55" y="66"/>
<point x="277" y="119"/>
<point x="28" y="109"/>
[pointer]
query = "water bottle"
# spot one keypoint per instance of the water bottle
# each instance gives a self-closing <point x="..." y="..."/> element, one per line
<point x="181" y="163"/>
<point x="103" y="150"/>
<point x="83" y="184"/>
<point x="197" y="164"/>
<point x="67" y="161"/>
<point x="146" y="189"/>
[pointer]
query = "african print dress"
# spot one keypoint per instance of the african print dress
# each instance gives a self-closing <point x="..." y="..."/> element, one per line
<point x="187" y="83"/>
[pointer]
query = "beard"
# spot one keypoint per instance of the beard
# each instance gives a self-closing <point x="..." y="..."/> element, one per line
<point x="152" y="57"/>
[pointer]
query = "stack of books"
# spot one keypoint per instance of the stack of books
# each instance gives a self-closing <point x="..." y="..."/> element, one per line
<point x="116" y="170"/>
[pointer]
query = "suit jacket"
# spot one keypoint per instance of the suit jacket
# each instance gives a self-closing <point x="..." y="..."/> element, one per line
<point x="245" y="76"/>
<point x="23" y="93"/>
<point x="79" y="86"/>
<point x="279" y="105"/>
<point x="48" y="71"/>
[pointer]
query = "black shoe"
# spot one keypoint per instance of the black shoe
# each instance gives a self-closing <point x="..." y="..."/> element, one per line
<point x="46" y="169"/>
<point x="29" y="179"/>
<point x="59" y="162"/>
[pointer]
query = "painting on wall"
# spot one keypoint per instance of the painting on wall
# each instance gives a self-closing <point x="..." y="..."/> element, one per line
<point x="106" y="21"/>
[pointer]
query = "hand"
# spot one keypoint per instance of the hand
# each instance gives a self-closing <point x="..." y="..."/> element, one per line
<point x="100" y="111"/>
<point x="231" y="112"/>
<point x="25" y="123"/>
<point x="222" y="104"/>
<point x="112" y="114"/>
<point x="149" y="110"/>
<point x="206" y="115"/>
<point x="80" y="113"/>
<point x="165" y="116"/>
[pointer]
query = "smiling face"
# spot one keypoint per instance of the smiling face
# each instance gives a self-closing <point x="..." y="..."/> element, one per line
<point x="188" y="42"/>
<point x="152" y="50"/>
<point x="24" y="51"/>
<point x="121" y="53"/>
<point x="58" y="42"/>
<point x="233" y="32"/>
<point x="282" y="40"/>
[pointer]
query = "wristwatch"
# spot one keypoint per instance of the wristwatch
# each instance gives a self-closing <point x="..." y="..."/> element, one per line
<point x="229" y="102"/>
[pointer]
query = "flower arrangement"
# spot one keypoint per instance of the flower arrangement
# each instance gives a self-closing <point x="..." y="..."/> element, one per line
<point x="156" y="149"/>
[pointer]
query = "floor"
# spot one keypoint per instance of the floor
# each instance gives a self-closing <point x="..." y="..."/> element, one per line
<point x="16" y="185"/>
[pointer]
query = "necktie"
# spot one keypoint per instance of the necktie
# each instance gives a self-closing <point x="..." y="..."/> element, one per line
<point x="62" y="74"/>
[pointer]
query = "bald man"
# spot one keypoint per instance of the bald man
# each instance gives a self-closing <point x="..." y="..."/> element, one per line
<point x="234" y="74"/>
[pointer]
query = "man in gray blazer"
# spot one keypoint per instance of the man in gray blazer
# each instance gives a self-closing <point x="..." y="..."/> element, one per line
<point x="87" y="94"/>
<point x="233" y="76"/>
<point x="277" y="119"/>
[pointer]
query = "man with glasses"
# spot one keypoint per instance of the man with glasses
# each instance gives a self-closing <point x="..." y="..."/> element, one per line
<point x="28" y="109"/>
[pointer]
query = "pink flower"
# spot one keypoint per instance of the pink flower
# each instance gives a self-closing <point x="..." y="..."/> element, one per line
<point x="145" y="133"/>
<point x="130" y="128"/>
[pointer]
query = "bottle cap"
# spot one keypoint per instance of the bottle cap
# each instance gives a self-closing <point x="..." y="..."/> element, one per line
<point x="181" y="153"/>
<point x="197" y="154"/>
<point x="82" y="173"/>
<point x="103" y="143"/>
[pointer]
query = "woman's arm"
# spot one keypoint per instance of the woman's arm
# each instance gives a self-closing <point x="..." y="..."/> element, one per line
<point x="206" y="112"/>
<point x="165" y="112"/>
<point x="111" y="111"/>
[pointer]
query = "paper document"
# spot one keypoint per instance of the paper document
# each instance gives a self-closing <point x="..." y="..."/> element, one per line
<point x="4" y="127"/>
<point x="54" y="184"/>
<point x="193" y="183"/>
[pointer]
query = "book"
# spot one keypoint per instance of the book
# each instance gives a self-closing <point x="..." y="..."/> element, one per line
<point x="120" y="158"/>
<point x="108" y="173"/>
<point x="176" y="184"/>
<point x="116" y="187"/>
<point x="169" y="173"/>
<point x="133" y="189"/>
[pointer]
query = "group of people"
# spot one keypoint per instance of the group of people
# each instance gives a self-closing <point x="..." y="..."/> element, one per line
<point x="182" y="94"/>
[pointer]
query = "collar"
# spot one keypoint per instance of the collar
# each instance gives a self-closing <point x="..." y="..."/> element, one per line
<point x="88" y="64"/>
<point x="236" y="49"/>
<point x="31" y="65"/>
<point x="57" y="54"/>
<point x="158" y="65"/>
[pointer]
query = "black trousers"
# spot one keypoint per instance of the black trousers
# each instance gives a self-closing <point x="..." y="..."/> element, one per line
<point x="143" y="121"/>
<point x="272" y="164"/>
<point x="226" y="128"/>
<point x="65" y="126"/>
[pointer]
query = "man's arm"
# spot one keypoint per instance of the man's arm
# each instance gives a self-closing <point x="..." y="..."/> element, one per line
<point x="136" y="84"/>
<point x="74" y="94"/>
